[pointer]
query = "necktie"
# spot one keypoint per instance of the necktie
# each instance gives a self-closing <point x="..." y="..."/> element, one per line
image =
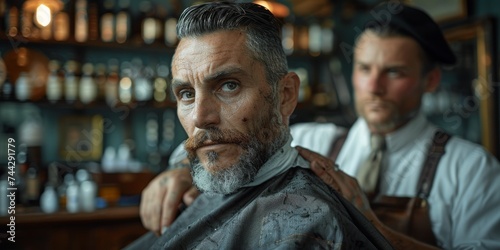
<point x="368" y="173"/>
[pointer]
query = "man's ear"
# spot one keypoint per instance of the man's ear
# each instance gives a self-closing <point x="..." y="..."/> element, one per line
<point x="433" y="79"/>
<point x="289" y="92"/>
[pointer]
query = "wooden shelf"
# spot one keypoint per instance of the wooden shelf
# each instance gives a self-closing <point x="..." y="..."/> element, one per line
<point x="109" y="228"/>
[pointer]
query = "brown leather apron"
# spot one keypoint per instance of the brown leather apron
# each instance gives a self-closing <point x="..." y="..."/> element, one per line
<point x="408" y="215"/>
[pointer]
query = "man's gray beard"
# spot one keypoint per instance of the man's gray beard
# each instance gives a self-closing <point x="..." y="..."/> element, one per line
<point x="229" y="180"/>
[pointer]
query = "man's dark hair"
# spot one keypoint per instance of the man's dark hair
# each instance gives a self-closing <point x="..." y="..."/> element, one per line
<point x="428" y="63"/>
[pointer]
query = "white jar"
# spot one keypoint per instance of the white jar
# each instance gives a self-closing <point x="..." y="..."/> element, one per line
<point x="49" y="202"/>
<point x="72" y="197"/>
<point x="88" y="194"/>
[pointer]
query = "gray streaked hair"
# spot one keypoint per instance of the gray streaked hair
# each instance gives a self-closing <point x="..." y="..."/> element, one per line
<point x="261" y="27"/>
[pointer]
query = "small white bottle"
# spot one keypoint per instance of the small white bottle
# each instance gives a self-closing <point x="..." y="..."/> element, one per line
<point x="87" y="191"/>
<point x="49" y="202"/>
<point x="23" y="87"/>
<point x="54" y="86"/>
<point x="70" y="82"/>
<point x="72" y="197"/>
<point x="88" y="88"/>
<point x="88" y="195"/>
<point x="4" y="198"/>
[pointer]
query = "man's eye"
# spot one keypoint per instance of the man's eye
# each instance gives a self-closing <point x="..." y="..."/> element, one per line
<point x="229" y="86"/>
<point x="393" y="72"/>
<point x="363" y="68"/>
<point x="186" y="94"/>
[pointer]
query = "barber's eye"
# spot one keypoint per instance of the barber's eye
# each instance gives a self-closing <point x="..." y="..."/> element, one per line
<point x="229" y="86"/>
<point x="363" y="68"/>
<point x="394" y="72"/>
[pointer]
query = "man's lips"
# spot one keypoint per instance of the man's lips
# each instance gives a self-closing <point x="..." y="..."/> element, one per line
<point x="375" y="104"/>
<point x="212" y="145"/>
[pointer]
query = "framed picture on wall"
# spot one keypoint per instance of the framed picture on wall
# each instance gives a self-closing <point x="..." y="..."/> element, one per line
<point x="80" y="138"/>
<point x="464" y="104"/>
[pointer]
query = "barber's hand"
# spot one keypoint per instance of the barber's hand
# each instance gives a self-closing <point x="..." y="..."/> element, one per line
<point x="163" y="197"/>
<point x="346" y="185"/>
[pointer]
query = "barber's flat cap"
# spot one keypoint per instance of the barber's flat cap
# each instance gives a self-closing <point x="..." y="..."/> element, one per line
<point x="415" y="23"/>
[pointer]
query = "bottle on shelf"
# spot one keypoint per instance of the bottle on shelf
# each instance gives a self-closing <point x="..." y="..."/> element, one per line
<point x="32" y="186"/>
<point x="61" y="24"/>
<point x="125" y="84"/>
<point x="327" y="37"/>
<point x="72" y="194"/>
<point x="161" y="87"/>
<point x="170" y="32"/>
<point x="143" y="89"/>
<point x="54" y="85"/>
<point x="151" y="29"/>
<point x="112" y="82"/>
<point x="81" y="21"/>
<point x="22" y="165"/>
<point x="7" y="91"/>
<point x="13" y="20"/>
<point x="87" y="87"/>
<point x="287" y="41"/>
<point x="70" y="82"/>
<point x="100" y="80"/>
<point x="107" y="21"/>
<point x="27" y="22"/>
<point x="314" y="45"/>
<point x="93" y="20"/>
<point x="123" y="22"/>
<point x="23" y="87"/>
<point x="87" y="191"/>
<point x="49" y="200"/>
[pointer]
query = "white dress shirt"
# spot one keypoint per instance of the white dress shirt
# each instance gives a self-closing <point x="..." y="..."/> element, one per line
<point x="465" y="197"/>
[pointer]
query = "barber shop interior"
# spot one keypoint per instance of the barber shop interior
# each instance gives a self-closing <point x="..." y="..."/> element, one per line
<point x="136" y="124"/>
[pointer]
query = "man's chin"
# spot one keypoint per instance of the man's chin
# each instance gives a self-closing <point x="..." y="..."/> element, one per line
<point x="380" y="123"/>
<point x="226" y="181"/>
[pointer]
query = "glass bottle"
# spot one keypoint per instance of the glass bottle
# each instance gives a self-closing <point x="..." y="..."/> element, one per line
<point x="23" y="87"/>
<point x="123" y="22"/>
<point x="61" y="25"/>
<point x="54" y="85"/>
<point x="70" y="82"/>
<point x="87" y="87"/>
<point x="81" y="21"/>
<point x="107" y="22"/>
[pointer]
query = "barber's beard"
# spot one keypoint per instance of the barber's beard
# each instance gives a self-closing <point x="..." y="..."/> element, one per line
<point x="258" y="146"/>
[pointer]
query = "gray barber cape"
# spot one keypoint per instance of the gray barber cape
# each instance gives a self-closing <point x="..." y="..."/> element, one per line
<point x="291" y="210"/>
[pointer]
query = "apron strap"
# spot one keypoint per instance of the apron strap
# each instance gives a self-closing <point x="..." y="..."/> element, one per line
<point x="436" y="151"/>
<point x="337" y="146"/>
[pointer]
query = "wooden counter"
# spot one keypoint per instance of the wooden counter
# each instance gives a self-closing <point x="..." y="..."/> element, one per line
<point x="110" y="228"/>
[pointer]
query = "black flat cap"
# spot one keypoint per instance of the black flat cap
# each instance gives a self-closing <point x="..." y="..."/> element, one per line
<point x="415" y="23"/>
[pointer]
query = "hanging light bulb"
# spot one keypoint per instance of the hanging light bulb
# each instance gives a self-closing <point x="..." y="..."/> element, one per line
<point x="43" y="10"/>
<point x="278" y="9"/>
<point x="43" y="15"/>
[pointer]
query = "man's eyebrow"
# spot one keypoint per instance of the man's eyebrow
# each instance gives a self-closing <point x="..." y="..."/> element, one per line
<point x="176" y="83"/>
<point x="224" y="73"/>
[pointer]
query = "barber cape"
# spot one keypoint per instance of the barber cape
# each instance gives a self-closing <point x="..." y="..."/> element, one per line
<point x="285" y="207"/>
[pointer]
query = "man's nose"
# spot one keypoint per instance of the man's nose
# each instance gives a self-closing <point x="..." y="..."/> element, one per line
<point x="376" y="83"/>
<point x="206" y="112"/>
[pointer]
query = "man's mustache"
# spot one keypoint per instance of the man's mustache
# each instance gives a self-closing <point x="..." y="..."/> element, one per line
<point x="215" y="136"/>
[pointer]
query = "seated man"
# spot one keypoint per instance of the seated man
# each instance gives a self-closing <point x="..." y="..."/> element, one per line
<point x="235" y="98"/>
